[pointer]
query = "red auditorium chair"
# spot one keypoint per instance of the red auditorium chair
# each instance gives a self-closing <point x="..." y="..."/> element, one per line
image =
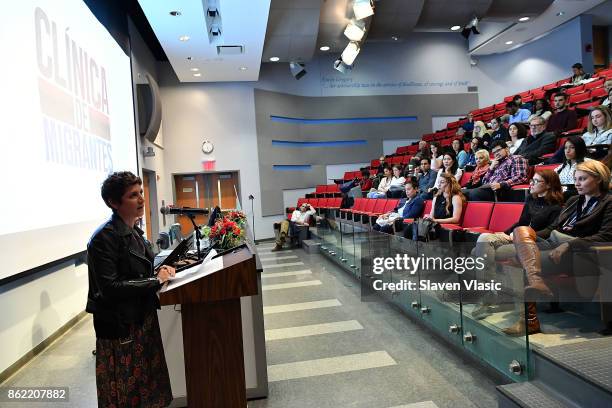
<point x="588" y="105"/>
<point x="502" y="105"/>
<point x="378" y="209"/>
<point x="539" y="94"/>
<point x="579" y="130"/>
<point x="574" y="90"/>
<point x="465" y="177"/>
<point x="375" y="163"/>
<point x="508" y="99"/>
<point x="429" y="137"/>
<point x="606" y="73"/>
<point x="579" y="98"/>
<point x="598" y="93"/>
<point x="367" y="208"/>
<point x="475" y="214"/>
<point x="504" y="215"/>
<point x="546" y="167"/>
<point x="413" y="149"/>
<point x="346" y="213"/>
<point x="426" y="210"/>
<point x="595" y="84"/>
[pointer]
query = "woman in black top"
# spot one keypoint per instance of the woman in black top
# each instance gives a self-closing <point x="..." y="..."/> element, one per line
<point x="499" y="131"/>
<point x="130" y="363"/>
<point x="585" y="221"/>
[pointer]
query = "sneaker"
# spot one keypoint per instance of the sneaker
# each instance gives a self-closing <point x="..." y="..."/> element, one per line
<point x="277" y="248"/>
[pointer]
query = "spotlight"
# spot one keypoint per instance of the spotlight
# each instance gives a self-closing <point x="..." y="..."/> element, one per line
<point x="274" y="59"/>
<point x="362" y="9"/>
<point x="354" y="32"/>
<point x="350" y="53"/>
<point x="455" y="28"/>
<point x="471" y="27"/>
<point x="324" y="48"/>
<point x="212" y="12"/>
<point x="339" y="65"/>
<point x="297" y="69"/>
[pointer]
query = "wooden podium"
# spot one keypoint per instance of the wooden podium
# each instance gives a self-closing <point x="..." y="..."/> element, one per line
<point x="212" y="331"/>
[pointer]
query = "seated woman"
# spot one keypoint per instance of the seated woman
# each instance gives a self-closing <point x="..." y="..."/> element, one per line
<point x="542" y="109"/>
<point x="460" y="152"/>
<point x="410" y="207"/>
<point x="436" y="156"/>
<point x="396" y="189"/>
<point x="585" y="221"/>
<point x="475" y="145"/>
<point x="450" y="167"/>
<point x="498" y="131"/>
<point x="575" y="152"/>
<point x="480" y="131"/>
<point x="483" y="160"/>
<point x="599" y="131"/>
<point x="518" y="133"/>
<point x="383" y="185"/>
<point x="446" y="208"/>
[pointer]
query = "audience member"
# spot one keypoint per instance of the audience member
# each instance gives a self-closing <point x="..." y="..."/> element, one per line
<point x="504" y="172"/>
<point x="469" y="125"/>
<point x="579" y="76"/>
<point x="542" y="207"/>
<point x="518" y="133"/>
<point x="538" y="143"/>
<point x="425" y="175"/>
<point x="480" y="130"/>
<point x="606" y="101"/>
<point x="499" y="132"/>
<point x="397" y="183"/>
<point x="459" y="150"/>
<point x="299" y="217"/>
<point x="542" y="109"/>
<point x="475" y="145"/>
<point x="575" y="153"/>
<point x="585" y="221"/>
<point x="365" y="182"/>
<point x="383" y="185"/>
<point x="483" y="161"/>
<point x="447" y="206"/>
<point x="518" y="100"/>
<point x="436" y="156"/>
<point x="409" y="207"/>
<point x="599" y="131"/>
<point x="449" y="166"/>
<point x="563" y="119"/>
<point x="516" y="114"/>
<point x="381" y="166"/>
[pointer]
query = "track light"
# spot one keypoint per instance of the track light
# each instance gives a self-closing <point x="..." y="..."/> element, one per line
<point x="339" y="65"/>
<point x="297" y="69"/>
<point x="362" y="9"/>
<point x="350" y="53"/>
<point x="354" y="32"/>
<point x="471" y="27"/>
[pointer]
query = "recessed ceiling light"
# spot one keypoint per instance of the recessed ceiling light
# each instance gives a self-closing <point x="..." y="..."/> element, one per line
<point x="274" y="59"/>
<point x="394" y="37"/>
<point x="523" y="19"/>
<point x="175" y="13"/>
<point x="324" y="48"/>
<point x="243" y="68"/>
<point x="197" y="74"/>
<point x="561" y="13"/>
<point x="189" y="58"/>
<point x="184" y="38"/>
<point x="509" y="42"/>
<point x="194" y="69"/>
<point x="455" y="28"/>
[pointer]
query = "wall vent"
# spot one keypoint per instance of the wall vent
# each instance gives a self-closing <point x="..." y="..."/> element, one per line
<point x="230" y="49"/>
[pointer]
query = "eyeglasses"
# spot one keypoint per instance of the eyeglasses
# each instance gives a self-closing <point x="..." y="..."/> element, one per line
<point x="535" y="126"/>
<point x="496" y="151"/>
<point x="535" y="181"/>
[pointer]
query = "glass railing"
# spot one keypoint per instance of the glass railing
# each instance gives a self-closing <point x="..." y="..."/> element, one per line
<point x="452" y="287"/>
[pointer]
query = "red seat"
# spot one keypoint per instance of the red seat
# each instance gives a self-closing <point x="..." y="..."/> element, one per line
<point x="594" y="84"/>
<point x="465" y="177"/>
<point x="368" y="207"/>
<point x="579" y="130"/>
<point x="379" y="207"/>
<point x="538" y="94"/>
<point x="314" y="202"/>
<point x="504" y="215"/>
<point x="321" y="188"/>
<point x="334" y="203"/>
<point x="580" y="97"/>
<point x="574" y="90"/>
<point x="412" y="149"/>
<point x="301" y="201"/>
<point x="357" y="205"/>
<point x="598" y="93"/>
<point x="426" y="210"/>
<point x="589" y="105"/>
<point x="502" y="105"/>
<point x="546" y="167"/>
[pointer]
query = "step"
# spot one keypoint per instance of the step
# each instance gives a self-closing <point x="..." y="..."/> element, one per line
<point x="582" y="371"/>
<point x="528" y="395"/>
<point x="310" y="246"/>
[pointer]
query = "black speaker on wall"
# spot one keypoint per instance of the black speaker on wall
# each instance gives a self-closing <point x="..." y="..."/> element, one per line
<point x="149" y="108"/>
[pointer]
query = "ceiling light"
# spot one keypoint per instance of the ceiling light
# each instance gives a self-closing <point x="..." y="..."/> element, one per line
<point x="274" y="59"/>
<point x="455" y="28"/>
<point x="175" y="13"/>
<point x="354" y="32"/>
<point x="362" y="9"/>
<point x="523" y="19"/>
<point x="394" y="37"/>
<point x="243" y="68"/>
<point x="509" y="42"/>
<point x="184" y="38"/>
<point x="297" y="69"/>
<point x="341" y="66"/>
<point x="350" y="53"/>
<point x="561" y="13"/>
<point x="194" y="69"/>
<point x="189" y="58"/>
<point x="197" y="74"/>
<point x="324" y="48"/>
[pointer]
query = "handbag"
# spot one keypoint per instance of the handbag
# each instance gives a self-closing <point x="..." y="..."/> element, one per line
<point x="425" y="229"/>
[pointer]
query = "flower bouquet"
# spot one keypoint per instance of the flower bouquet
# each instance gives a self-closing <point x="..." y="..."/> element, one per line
<point x="226" y="233"/>
<point x="238" y="217"/>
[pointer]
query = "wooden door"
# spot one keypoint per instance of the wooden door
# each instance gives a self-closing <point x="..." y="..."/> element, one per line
<point x="147" y="196"/>
<point x="225" y="182"/>
<point x="187" y="192"/>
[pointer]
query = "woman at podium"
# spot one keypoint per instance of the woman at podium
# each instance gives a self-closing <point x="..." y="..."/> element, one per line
<point x="130" y="363"/>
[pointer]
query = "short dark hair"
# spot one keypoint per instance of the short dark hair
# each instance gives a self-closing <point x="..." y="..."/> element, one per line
<point x="426" y="159"/>
<point x="516" y="97"/>
<point x="499" y="143"/>
<point x="577" y="65"/>
<point x="413" y="182"/>
<point x="511" y="105"/>
<point x="116" y="184"/>
<point x="563" y="95"/>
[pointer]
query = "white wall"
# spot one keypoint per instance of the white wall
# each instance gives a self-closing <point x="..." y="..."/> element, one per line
<point x="336" y="171"/>
<point x="439" y="122"/>
<point x="290" y="197"/>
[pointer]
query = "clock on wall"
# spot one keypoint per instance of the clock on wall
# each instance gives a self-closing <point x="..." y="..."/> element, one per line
<point x="207" y="147"/>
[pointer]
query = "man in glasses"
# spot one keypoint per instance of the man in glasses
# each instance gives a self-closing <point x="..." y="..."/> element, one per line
<point x="538" y="143"/>
<point x="504" y="172"/>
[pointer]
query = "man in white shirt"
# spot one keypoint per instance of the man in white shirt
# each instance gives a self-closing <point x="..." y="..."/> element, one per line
<point x="300" y="217"/>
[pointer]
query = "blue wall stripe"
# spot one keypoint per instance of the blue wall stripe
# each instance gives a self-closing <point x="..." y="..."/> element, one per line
<point x="379" y="119"/>
<point x="292" y="167"/>
<point x="330" y="143"/>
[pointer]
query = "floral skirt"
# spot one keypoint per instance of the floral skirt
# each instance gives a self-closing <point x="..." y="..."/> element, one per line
<point x="132" y="372"/>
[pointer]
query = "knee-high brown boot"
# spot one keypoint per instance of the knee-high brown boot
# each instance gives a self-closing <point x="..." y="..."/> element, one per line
<point x="533" y="324"/>
<point x="529" y="255"/>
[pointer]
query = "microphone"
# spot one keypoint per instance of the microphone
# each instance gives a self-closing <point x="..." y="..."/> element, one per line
<point x="183" y="210"/>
